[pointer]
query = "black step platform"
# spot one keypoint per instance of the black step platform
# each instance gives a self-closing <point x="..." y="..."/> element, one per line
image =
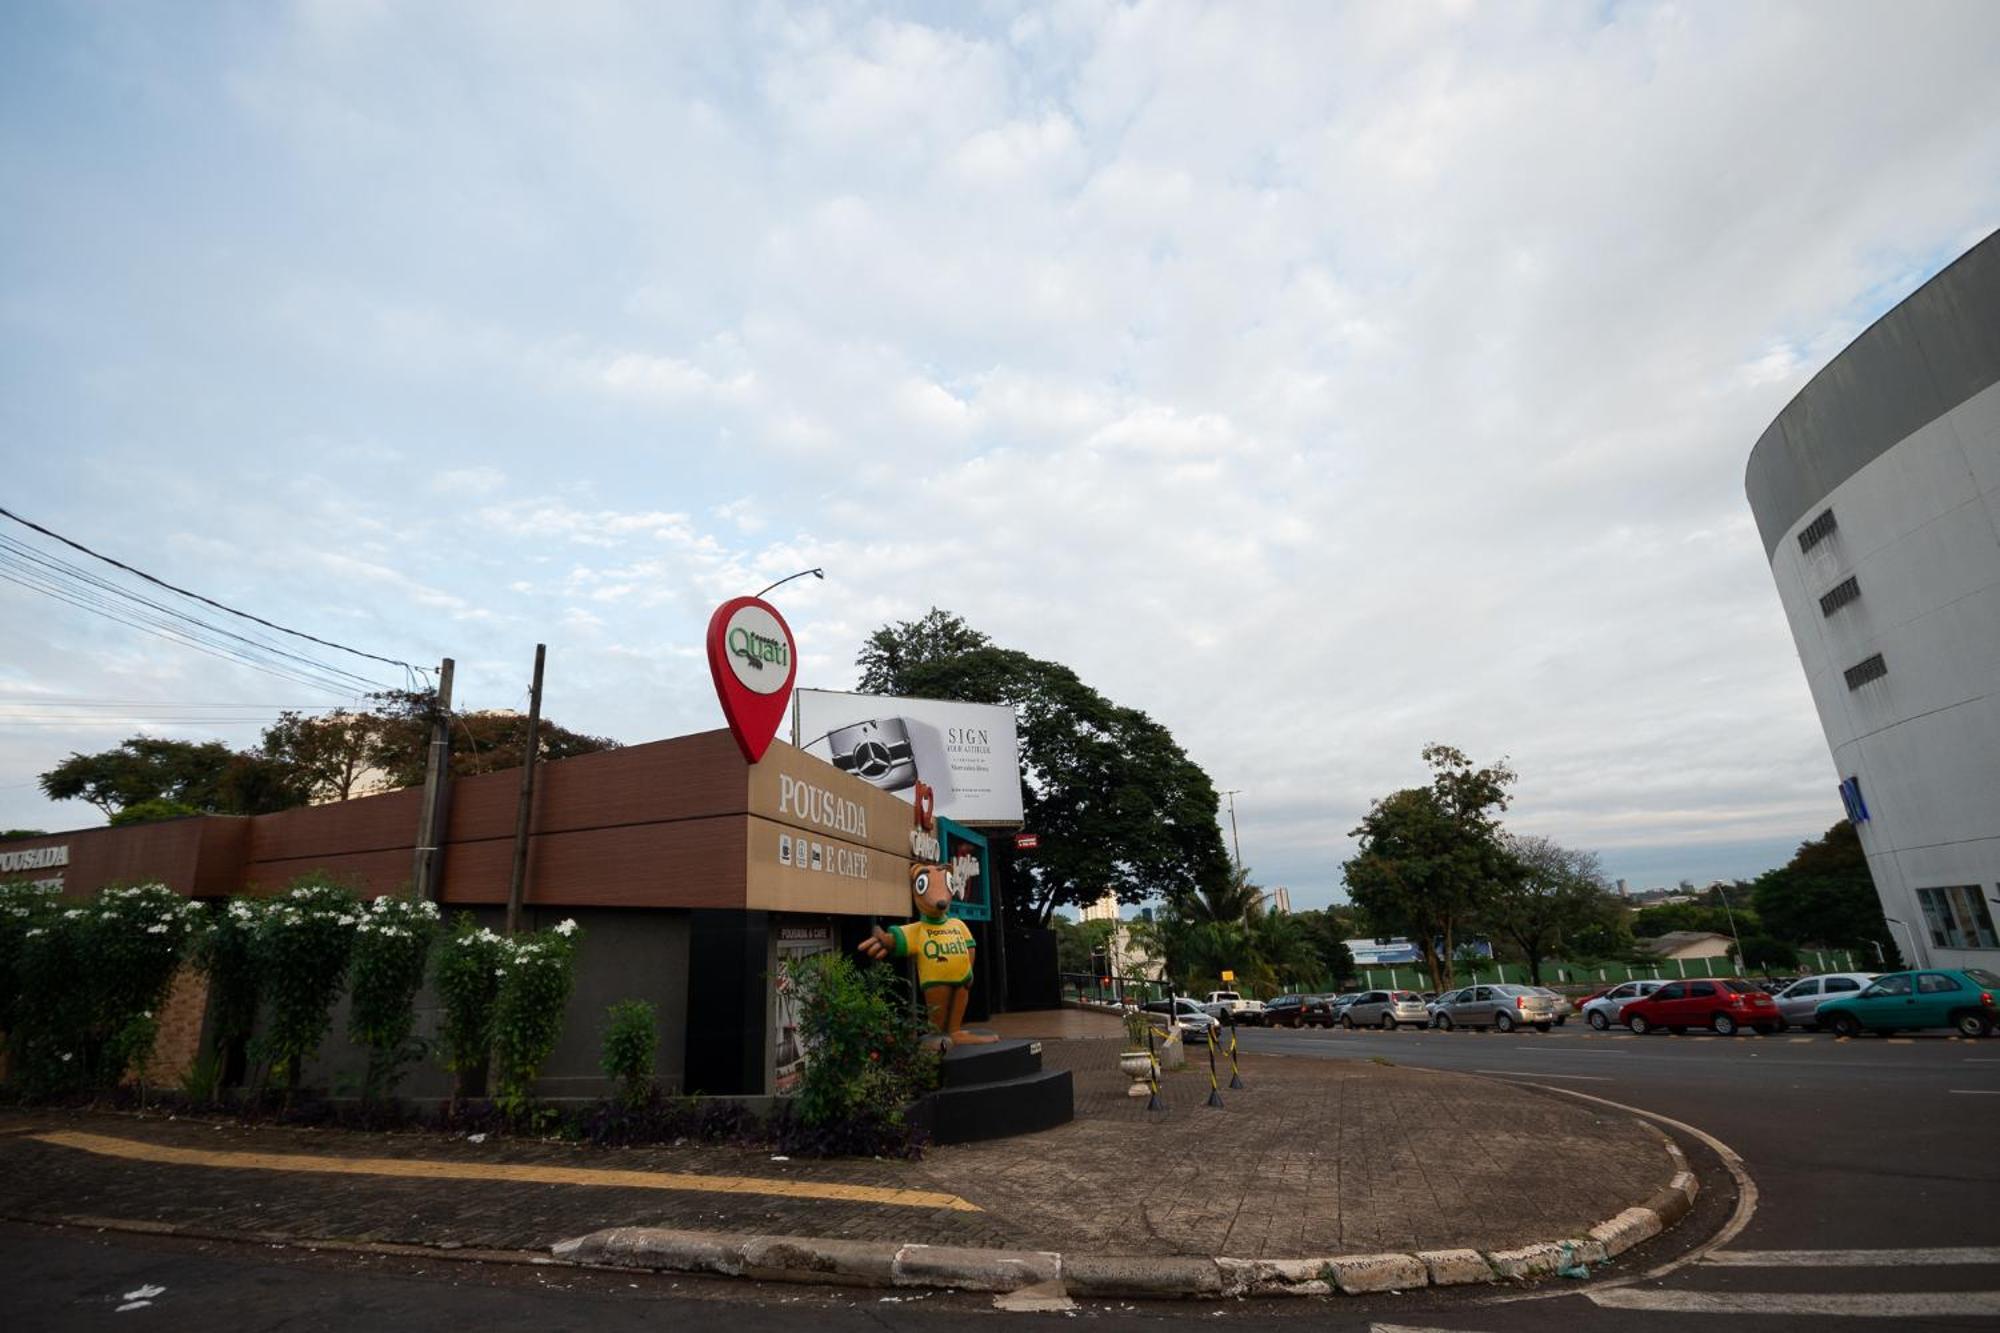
<point x="993" y="1092"/>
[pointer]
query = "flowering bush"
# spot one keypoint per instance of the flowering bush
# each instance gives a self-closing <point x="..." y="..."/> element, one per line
<point x="629" y="1039"/>
<point x="536" y="973"/>
<point x="865" y="1060"/>
<point x="227" y="952"/>
<point x="301" y="947"/>
<point x="24" y="906"/>
<point x="392" y="943"/>
<point x="468" y="983"/>
<point x="88" y="979"/>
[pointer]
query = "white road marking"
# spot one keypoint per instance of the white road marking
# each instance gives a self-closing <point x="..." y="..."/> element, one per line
<point x="1878" y="1305"/>
<point x="1539" y="1073"/>
<point x="1852" y="1258"/>
<point x="1977" y="1092"/>
<point x="1976" y="1060"/>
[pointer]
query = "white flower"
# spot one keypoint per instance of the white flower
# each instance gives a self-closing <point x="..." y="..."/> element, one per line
<point x="568" y="927"/>
<point x="344" y="920"/>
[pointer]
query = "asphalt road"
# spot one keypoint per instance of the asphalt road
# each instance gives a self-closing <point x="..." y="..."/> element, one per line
<point x="1870" y="1145"/>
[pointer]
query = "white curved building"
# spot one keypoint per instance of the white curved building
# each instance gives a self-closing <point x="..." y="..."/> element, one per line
<point x="1877" y="493"/>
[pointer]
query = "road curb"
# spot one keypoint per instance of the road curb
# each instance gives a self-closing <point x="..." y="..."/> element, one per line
<point x="886" y="1264"/>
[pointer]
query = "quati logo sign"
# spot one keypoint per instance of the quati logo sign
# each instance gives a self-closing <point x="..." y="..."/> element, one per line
<point x="754" y="659"/>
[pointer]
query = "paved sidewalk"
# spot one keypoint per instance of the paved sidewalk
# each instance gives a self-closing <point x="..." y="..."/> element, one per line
<point x="1312" y="1158"/>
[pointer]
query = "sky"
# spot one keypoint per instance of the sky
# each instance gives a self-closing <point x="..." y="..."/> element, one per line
<point x="1324" y="380"/>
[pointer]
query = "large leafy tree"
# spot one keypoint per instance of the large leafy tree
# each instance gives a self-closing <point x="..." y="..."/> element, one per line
<point x="1429" y="857"/>
<point x="1118" y="804"/>
<point x="205" y="776"/>
<point x="1823" y="896"/>
<point x="1327" y="931"/>
<point x="1552" y="898"/>
<point x="302" y="759"/>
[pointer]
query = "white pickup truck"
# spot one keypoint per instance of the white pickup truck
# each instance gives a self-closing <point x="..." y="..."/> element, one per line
<point x="1226" y="1006"/>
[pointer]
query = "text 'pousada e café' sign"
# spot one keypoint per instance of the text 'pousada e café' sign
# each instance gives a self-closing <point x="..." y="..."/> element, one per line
<point x="754" y="659"/>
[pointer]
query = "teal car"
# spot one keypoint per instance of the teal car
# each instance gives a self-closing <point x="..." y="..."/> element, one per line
<point x="1934" y="997"/>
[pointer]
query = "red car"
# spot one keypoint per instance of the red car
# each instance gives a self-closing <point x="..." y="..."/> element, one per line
<point x="1727" y="1006"/>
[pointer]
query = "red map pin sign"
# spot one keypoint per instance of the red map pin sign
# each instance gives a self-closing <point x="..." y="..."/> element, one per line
<point x="754" y="660"/>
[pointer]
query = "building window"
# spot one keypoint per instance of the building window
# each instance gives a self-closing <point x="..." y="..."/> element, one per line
<point x="1840" y="596"/>
<point x="1862" y="672"/>
<point x="1817" y="531"/>
<point x="1957" y="917"/>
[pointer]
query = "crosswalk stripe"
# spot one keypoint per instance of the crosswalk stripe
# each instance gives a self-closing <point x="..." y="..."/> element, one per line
<point x="1966" y="1254"/>
<point x="1878" y="1305"/>
<point x="1796" y="1040"/>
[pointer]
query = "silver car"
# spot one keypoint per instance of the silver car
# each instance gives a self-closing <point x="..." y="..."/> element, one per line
<point x="1602" y="1012"/>
<point x="1798" y="1002"/>
<point x="1502" y="1007"/>
<point x="1559" y="1003"/>
<point x="1385" y="1009"/>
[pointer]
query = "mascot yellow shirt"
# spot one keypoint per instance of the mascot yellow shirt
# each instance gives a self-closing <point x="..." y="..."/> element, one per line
<point x="942" y="948"/>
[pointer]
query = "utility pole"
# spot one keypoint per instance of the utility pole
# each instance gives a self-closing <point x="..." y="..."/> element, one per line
<point x="517" y="886"/>
<point x="437" y="772"/>
<point x="1233" y="841"/>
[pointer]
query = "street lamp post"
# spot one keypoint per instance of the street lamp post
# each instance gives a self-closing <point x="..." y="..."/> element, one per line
<point x="816" y="573"/>
<point x="1741" y="961"/>
<point x="1233" y="840"/>
<point x="1911" y="936"/>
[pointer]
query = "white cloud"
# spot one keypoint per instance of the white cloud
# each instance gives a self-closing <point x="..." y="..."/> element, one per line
<point x="1324" y="381"/>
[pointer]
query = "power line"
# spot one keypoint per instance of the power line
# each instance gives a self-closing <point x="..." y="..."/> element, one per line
<point x="180" y="637"/>
<point x="208" y="601"/>
<point x="50" y="573"/>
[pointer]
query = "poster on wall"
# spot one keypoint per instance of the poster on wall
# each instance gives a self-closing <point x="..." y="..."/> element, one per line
<point x="965" y="854"/>
<point x="795" y="945"/>
<point x="968" y="753"/>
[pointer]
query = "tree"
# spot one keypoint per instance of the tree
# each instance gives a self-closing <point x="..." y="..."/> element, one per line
<point x="1823" y="896"/>
<point x="1234" y="899"/>
<point x="482" y="742"/>
<point x="1430" y="856"/>
<point x="12" y="834"/>
<point x="1551" y="895"/>
<point x="1078" y="945"/>
<point x="151" y="812"/>
<point x="1119" y="806"/>
<point x="332" y="756"/>
<point x="1327" y="932"/>
<point x="206" y="776"/>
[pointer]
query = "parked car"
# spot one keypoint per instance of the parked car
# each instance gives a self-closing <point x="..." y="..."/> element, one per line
<point x="1443" y="997"/>
<point x="1384" y="1009"/>
<point x="1337" y="1006"/>
<point x="1285" y="1011"/>
<point x="1318" y="1011"/>
<point x="1227" y="1006"/>
<point x="1501" y="1006"/>
<point x="1943" y="997"/>
<point x="1559" y="1003"/>
<point x="1725" y="1005"/>
<point x="1601" y="1011"/>
<point x="1799" y="1002"/>
<point x="1194" y="1025"/>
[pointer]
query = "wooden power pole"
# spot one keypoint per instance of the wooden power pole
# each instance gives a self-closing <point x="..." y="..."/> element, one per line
<point x="517" y="886"/>
<point x="437" y="772"/>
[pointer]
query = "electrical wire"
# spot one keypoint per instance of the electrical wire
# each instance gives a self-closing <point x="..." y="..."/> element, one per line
<point x="52" y="572"/>
<point x="209" y="601"/>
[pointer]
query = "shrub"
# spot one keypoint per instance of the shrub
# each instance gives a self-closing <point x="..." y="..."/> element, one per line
<point x="24" y="906"/>
<point x="468" y="984"/>
<point x="865" y="1060"/>
<point x="536" y="973"/>
<point x="629" y="1039"/>
<point x="392" y="944"/>
<point x="302" y="946"/>
<point x="88" y="980"/>
<point x="227" y="952"/>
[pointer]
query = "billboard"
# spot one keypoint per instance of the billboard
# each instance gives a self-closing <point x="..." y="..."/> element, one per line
<point x="968" y="753"/>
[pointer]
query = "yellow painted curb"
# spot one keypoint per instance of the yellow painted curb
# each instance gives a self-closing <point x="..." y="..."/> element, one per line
<point x="513" y="1172"/>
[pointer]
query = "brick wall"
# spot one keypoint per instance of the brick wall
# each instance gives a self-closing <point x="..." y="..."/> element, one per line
<point x="180" y="1030"/>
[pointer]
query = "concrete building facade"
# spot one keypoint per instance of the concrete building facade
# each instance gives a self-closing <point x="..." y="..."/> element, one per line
<point x="1877" y="496"/>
